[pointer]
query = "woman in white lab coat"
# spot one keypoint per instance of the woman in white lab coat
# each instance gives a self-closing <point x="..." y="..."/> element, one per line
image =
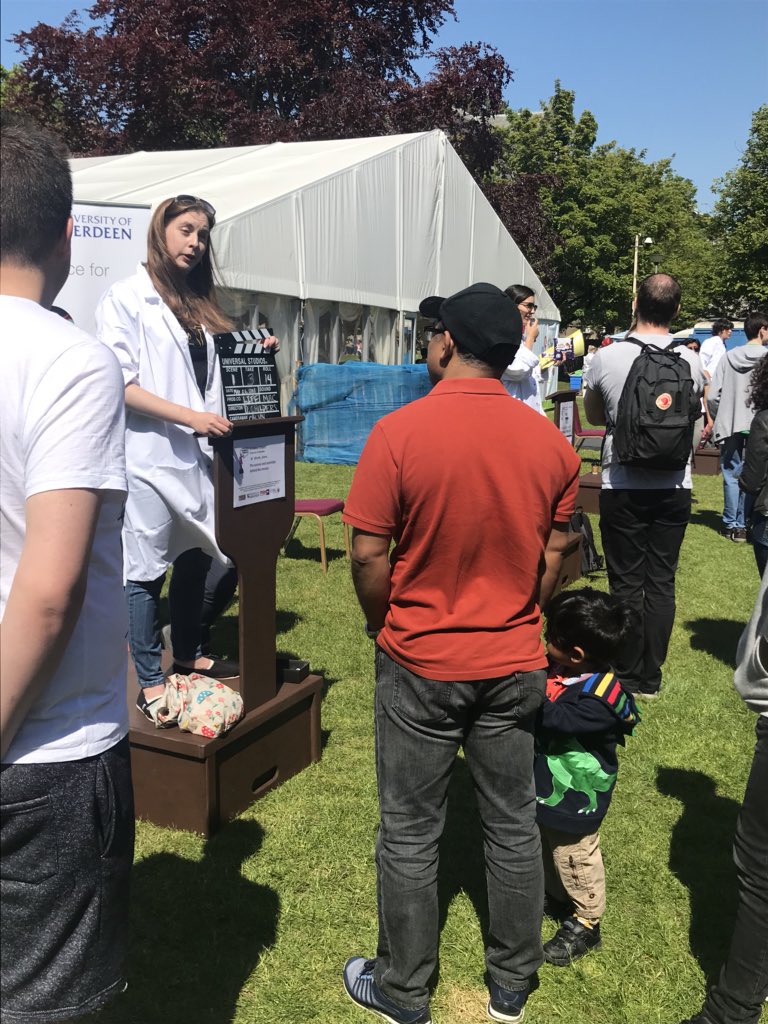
<point x="159" y="323"/>
<point x="523" y="375"/>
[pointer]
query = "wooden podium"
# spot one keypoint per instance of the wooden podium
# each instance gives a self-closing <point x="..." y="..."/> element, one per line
<point x="185" y="781"/>
<point x="590" y="483"/>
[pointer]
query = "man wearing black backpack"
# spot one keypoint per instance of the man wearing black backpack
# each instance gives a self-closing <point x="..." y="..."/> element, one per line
<point x="646" y="390"/>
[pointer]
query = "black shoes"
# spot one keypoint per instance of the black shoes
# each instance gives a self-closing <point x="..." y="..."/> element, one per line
<point x="571" y="942"/>
<point x="738" y="534"/>
<point x="155" y="710"/>
<point x="219" y="669"/>
<point x="505" y="1004"/>
<point x="362" y="989"/>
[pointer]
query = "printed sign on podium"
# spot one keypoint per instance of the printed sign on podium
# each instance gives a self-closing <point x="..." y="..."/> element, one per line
<point x="248" y="374"/>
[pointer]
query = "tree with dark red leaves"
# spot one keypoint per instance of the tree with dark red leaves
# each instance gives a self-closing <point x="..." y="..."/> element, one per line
<point x="175" y="74"/>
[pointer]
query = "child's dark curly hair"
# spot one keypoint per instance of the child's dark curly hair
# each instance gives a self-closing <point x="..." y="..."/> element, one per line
<point x="592" y="620"/>
<point x="757" y="394"/>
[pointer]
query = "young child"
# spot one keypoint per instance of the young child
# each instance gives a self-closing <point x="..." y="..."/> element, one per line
<point x="585" y="715"/>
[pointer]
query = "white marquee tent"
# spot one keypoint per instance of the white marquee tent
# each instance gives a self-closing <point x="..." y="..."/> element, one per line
<point x="345" y="237"/>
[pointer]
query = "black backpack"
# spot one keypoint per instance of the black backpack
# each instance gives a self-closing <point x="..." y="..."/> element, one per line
<point x="657" y="410"/>
<point x="590" y="560"/>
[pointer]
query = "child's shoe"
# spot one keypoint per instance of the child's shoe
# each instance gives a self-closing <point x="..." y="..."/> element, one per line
<point x="571" y="942"/>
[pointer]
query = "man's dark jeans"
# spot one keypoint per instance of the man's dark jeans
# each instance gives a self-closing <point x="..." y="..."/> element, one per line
<point x="642" y="534"/>
<point x="420" y="726"/>
<point x="738" y="996"/>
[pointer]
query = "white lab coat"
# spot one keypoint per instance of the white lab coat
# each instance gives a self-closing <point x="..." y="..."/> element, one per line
<point x="522" y="378"/>
<point x="170" y="506"/>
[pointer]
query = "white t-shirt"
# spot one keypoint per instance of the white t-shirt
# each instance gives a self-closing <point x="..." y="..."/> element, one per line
<point x="62" y="426"/>
<point x="607" y="375"/>
<point x="712" y="351"/>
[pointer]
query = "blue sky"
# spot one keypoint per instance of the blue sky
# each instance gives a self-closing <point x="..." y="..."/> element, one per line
<point x="674" y="77"/>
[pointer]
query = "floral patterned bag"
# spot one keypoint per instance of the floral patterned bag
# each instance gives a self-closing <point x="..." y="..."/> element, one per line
<point x="203" y="706"/>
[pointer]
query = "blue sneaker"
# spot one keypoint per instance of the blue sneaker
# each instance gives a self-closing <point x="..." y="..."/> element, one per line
<point x="363" y="990"/>
<point x="507" y="1004"/>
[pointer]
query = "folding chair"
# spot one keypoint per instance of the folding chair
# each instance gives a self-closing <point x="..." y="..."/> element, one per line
<point x="318" y="508"/>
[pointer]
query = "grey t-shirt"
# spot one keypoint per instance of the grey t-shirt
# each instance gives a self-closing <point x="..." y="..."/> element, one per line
<point x="607" y="375"/>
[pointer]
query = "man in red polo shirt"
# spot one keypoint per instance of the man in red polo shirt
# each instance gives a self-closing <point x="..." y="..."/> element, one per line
<point x="476" y="491"/>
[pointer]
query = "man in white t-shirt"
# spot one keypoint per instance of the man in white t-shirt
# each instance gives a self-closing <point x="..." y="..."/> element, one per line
<point x="65" y="784"/>
<point x="711" y="352"/>
<point x="643" y="512"/>
<point x="713" y="348"/>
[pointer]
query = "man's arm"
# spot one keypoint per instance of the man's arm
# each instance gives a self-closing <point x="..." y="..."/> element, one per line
<point x="553" y="557"/>
<point x="594" y="407"/>
<point x="45" y="599"/>
<point x="371" y="575"/>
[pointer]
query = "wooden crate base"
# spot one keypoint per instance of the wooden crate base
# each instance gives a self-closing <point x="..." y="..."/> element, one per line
<point x="190" y="782"/>
<point x="570" y="570"/>
<point x="706" y="461"/>
<point x="590" y="485"/>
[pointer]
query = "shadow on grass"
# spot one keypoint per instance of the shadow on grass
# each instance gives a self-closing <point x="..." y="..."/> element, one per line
<point x="700" y="856"/>
<point x="707" y="517"/>
<point x="718" y="637"/>
<point x="296" y="549"/>
<point x="198" y="930"/>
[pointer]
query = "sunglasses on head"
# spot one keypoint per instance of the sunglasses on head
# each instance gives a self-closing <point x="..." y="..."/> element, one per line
<point x="206" y="207"/>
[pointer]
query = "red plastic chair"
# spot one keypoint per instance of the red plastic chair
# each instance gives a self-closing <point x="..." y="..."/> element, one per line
<point x="580" y="434"/>
<point x="318" y="508"/>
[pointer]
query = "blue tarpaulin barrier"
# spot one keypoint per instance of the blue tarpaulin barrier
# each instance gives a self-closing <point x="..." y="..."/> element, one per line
<point x="341" y="403"/>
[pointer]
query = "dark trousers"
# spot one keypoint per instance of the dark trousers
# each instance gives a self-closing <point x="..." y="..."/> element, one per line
<point x="642" y="533"/>
<point x="420" y="726"/>
<point x="66" y="842"/>
<point x="220" y="587"/>
<point x="739" y="994"/>
<point x="185" y="603"/>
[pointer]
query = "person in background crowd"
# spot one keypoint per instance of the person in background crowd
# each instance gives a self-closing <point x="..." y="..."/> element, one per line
<point x="754" y="474"/>
<point x="713" y="348"/>
<point x="66" y="801"/>
<point x="694" y="345"/>
<point x="712" y="351"/>
<point x="732" y="416"/>
<point x="459" y="659"/>
<point x="643" y="512"/>
<point x="742" y="988"/>
<point x="159" y="323"/>
<point x="589" y="357"/>
<point x="523" y="375"/>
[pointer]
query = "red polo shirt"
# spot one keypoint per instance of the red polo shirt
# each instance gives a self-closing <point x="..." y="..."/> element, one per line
<point x="468" y="482"/>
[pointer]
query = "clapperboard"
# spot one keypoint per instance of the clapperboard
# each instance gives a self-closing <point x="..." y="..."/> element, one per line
<point x="248" y="375"/>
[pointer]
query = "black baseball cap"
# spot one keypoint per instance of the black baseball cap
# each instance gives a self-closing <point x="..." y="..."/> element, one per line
<point x="482" y="319"/>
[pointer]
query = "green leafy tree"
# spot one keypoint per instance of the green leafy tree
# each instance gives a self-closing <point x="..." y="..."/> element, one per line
<point x="739" y="227"/>
<point x="600" y="198"/>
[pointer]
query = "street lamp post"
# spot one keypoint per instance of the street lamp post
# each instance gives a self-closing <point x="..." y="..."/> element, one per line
<point x="646" y="241"/>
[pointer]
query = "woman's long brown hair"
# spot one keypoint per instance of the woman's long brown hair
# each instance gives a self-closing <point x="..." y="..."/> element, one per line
<point x="191" y="298"/>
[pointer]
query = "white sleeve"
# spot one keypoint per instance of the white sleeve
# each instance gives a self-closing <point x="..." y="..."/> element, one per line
<point x="522" y="366"/>
<point x="74" y="433"/>
<point x="117" y="325"/>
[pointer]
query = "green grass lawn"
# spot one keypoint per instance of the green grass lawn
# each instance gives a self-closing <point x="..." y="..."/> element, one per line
<point x="254" y="926"/>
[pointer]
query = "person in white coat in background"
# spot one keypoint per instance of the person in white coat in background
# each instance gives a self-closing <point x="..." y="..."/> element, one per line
<point x="523" y="375"/>
<point x="159" y="323"/>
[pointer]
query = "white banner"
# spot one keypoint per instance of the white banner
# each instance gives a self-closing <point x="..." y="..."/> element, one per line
<point x="107" y="243"/>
